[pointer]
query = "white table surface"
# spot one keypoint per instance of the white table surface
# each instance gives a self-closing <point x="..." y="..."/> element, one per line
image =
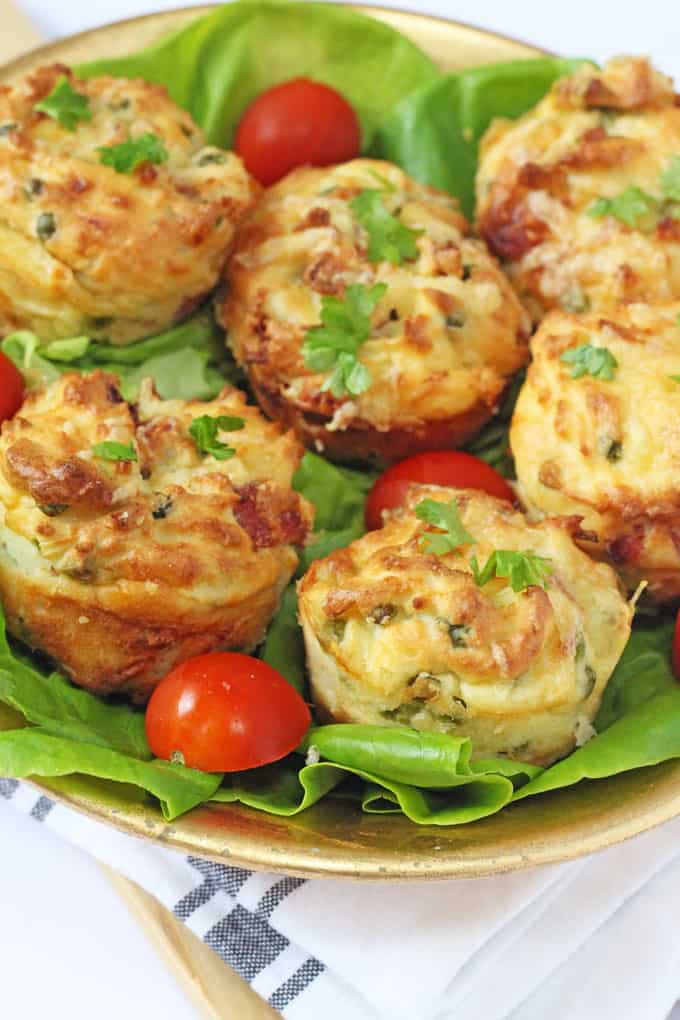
<point x="69" y="948"/>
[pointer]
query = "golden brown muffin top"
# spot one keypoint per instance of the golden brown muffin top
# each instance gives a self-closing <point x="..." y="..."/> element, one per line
<point x="114" y="235"/>
<point x="578" y="194"/>
<point x="598" y="416"/>
<point x="396" y="616"/>
<point x="445" y="334"/>
<point x="168" y="511"/>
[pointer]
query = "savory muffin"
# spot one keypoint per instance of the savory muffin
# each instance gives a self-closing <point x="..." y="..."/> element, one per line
<point x="365" y="316"/>
<point x="595" y="433"/>
<point x="133" y="537"/>
<point x="581" y="196"/>
<point x="115" y="217"/>
<point x="462" y="617"/>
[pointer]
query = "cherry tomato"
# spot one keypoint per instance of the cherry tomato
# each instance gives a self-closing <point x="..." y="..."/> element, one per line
<point x="297" y="123"/>
<point x="676" y="647"/>
<point x="441" y="467"/>
<point x="11" y="388"/>
<point x="225" y="712"/>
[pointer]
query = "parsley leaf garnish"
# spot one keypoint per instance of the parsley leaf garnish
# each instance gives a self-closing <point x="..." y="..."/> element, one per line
<point x="388" y="239"/>
<point x="204" y="431"/>
<point x="628" y="207"/>
<point x="446" y="517"/>
<point x="522" y="569"/>
<point x="65" y="105"/>
<point x="335" y="344"/>
<point x="589" y="360"/>
<point x="111" y="450"/>
<point x="126" y="156"/>
<point x="670" y="179"/>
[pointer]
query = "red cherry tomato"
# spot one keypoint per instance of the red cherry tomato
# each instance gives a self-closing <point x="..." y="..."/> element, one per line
<point x="225" y="712"/>
<point x="298" y="123"/>
<point x="676" y="647"/>
<point x="441" y="467"/>
<point x="11" y="388"/>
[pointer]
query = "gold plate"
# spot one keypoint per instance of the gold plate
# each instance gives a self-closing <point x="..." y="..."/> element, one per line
<point x="332" y="838"/>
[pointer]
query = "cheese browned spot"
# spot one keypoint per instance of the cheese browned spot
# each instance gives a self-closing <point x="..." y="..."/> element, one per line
<point x="446" y="337"/>
<point x="171" y="554"/>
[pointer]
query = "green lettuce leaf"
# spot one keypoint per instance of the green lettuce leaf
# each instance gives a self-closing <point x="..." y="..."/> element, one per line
<point x="281" y="789"/>
<point x="283" y="647"/>
<point x="186" y="362"/>
<point x="34" y="752"/>
<point x="434" y="761"/>
<point x="434" y="133"/>
<point x="643" y="671"/>
<point x="218" y="64"/>
<point x="339" y="495"/>
<point x="457" y="792"/>
<point x="646" y="735"/>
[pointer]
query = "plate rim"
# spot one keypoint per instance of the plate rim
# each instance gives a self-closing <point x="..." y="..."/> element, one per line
<point x="8" y="67"/>
<point x="145" y="820"/>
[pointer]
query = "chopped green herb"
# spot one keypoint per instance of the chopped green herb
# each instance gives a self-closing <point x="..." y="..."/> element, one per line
<point x="522" y="569"/>
<point x="446" y="517"/>
<point x="467" y="272"/>
<point x="33" y="187"/>
<point x="591" y="680"/>
<point x="388" y="239"/>
<point x="455" y="321"/>
<point x="204" y="431"/>
<point x="382" y="181"/>
<point x="45" y="225"/>
<point x="630" y="206"/>
<point x="126" y="156"/>
<point x="575" y="300"/>
<point x="100" y="321"/>
<point x="382" y="615"/>
<point x="458" y="633"/>
<point x="212" y="156"/>
<point x="675" y="378"/>
<point x="65" y="105"/>
<point x="335" y="344"/>
<point x="111" y="450"/>
<point x="613" y="449"/>
<point x="53" y="509"/>
<point x="160" y="512"/>
<point x="338" y="628"/>
<point x="670" y="179"/>
<point x="587" y="359"/>
<point x="8" y="126"/>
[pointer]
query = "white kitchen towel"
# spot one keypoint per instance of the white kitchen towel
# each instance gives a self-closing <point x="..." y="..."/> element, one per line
<point x="580" y="941"/>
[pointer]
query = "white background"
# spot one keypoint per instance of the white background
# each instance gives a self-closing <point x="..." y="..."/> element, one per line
<point x="68" y="948"/>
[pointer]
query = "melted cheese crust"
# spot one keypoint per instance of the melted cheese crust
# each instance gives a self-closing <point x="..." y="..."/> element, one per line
<point x="446" y="337"/>
<point x="396" y="635"/>
<point x="119" y="569"/>
<point x="131" y="253"/>
<point x="608" y="451"/>
<point x="595" y="134"/>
